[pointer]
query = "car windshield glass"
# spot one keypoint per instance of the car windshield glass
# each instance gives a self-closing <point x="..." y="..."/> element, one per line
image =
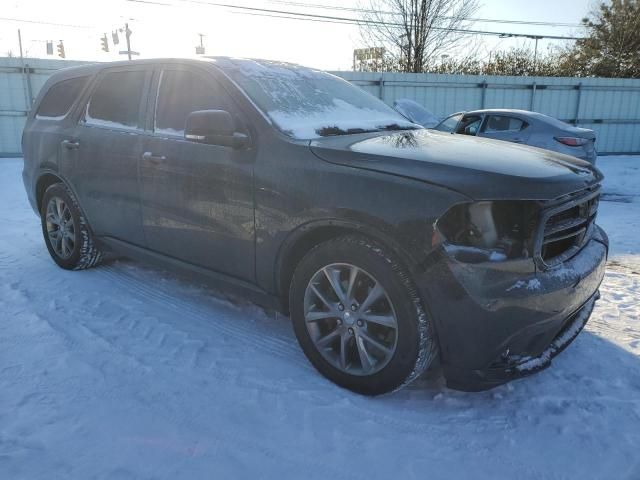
<point x="416" y="112"/>
<point x="306" y="103"/>
<point x="449" y="123"/>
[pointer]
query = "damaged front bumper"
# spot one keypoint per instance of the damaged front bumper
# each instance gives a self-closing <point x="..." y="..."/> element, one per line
<point x="501" y="320"/>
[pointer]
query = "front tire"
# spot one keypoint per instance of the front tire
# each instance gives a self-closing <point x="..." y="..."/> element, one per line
<point x="358" y="317"/>
<point x="66" y="233"/>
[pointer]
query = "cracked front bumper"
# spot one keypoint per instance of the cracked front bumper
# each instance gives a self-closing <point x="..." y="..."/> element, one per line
<point x="496" y="321"/>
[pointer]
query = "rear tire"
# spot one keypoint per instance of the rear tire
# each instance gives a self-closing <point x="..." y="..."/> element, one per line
<point x="65" y="230"/>
<point x="367" y="346"/>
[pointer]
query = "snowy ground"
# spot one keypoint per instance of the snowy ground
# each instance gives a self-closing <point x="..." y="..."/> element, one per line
<point x="126" y="372"/>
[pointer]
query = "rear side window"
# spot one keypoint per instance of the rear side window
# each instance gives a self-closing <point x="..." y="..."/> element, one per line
<point x="182" y="92"/>
<point x="502" y="123"/>
<point x="59" y="98"/>
<point x="115" y="102"/>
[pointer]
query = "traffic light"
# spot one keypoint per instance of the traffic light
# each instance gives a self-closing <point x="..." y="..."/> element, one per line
<point x="49" y="48"/>
<point x="105" y="43"/>
<point x="116" y="39"/>
<point x="61" y="50"/>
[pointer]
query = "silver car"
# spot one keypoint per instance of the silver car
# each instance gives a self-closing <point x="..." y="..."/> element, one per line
<point x="522" y="126"/>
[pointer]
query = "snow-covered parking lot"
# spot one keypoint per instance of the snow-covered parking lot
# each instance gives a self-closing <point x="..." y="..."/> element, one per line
<point x="127" y="372"/>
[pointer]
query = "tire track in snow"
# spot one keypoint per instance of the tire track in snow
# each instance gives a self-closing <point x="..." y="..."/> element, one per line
<point x="238" y="332"/>
<point x="111" y="338"/>
<point x="207" y="317"/>
<point x="256" y="337"/>
<point x="362" y="403"/>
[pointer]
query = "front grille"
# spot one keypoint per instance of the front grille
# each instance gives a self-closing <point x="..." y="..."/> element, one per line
<point x="565" y="228"/>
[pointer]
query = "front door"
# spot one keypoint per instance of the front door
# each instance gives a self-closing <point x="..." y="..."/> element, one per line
<point x="108" y="142"/>
<point x="197" y="199"/>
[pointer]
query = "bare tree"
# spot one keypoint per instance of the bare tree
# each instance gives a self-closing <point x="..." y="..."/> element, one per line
<point x="415" y="32"/>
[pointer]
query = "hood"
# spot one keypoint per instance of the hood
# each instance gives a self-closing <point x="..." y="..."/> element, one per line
<point x="476" y="167"/>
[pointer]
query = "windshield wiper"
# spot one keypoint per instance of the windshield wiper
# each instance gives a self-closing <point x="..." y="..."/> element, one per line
<point x="331" y="131"/>
<point x="395" y="126"/>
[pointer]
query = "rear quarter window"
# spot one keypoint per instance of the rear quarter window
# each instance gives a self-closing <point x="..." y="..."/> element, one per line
<point x="60" y="97"/>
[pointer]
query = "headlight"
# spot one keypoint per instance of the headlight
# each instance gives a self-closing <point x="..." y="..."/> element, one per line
<point x="488" y="231"/>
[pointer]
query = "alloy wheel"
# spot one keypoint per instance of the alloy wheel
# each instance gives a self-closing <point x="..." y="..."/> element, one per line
<point x="60" y="227"/>
<point x="350" y="319"/>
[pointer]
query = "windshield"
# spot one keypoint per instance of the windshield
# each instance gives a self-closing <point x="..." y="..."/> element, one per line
<point x="449" y="123"/>
<point x="416" y="112"/>
<point x="306" y="103"/>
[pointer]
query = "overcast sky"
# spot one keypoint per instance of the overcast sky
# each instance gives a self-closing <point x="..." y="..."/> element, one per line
<point x="160" y="30"/>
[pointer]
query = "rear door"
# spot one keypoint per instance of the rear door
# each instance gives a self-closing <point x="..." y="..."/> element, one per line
<point x="197" y="199"/>
<point x="505" y="127"/>
<point x="48" y="130"/>
<point x="108" y="143"/>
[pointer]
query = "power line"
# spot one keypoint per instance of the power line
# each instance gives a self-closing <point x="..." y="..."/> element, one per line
<point x="39" y="22"/>
<point x="290" y="15"/>
<point x="472" y="19"/>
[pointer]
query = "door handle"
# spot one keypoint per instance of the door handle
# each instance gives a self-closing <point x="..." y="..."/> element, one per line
<point x="155" y="159"/>
<point x="70" y="144"/>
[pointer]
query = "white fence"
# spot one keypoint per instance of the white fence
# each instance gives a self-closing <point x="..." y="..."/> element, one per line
<point x="610" y="106"/>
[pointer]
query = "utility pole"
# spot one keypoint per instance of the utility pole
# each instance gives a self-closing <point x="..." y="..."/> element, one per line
<point x="128" y="52"/>
<point x="200" y="49"/>
<point x="26" y="81"/>
<point x="127" y="33"/>
<point x="20" y="44"/>
<point x="535" y="53"/>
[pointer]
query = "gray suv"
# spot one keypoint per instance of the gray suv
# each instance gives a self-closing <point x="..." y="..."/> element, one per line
<point x="392" y="248"/>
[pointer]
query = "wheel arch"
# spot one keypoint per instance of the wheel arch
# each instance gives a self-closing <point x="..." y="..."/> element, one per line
<point x="45" y="180"/>
<point x="304" y="238"/>
<point x="48" y="178"/>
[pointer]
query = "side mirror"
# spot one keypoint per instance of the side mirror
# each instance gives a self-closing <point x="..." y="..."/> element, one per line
<point x="214" y="127"/>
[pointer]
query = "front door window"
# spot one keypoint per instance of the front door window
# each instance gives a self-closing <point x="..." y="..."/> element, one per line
<point x="469" y="125"/>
